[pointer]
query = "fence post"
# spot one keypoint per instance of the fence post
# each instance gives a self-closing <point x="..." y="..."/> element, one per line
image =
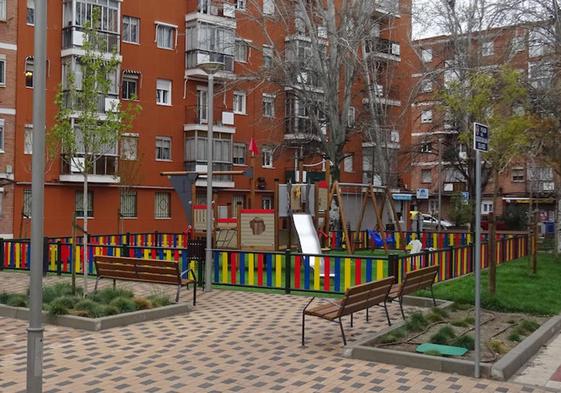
<point x="452" y="262"/>
<point x="156" y="241"/>
<point x="125" y="246"/>
<point x="45" y="256"/>
<point x="393" y="266"/>
<point x="287" y="270"/>
<point x="58" y="258"/>
<point x="1" y="254"/>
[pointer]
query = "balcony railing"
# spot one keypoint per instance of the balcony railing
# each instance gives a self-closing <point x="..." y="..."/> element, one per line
<point x="301" y="127"/>
<point x="199" y="56"/>
<point x="381" y="45"/>
<point x="217" y="166"/>
<point x="103" y="166"/>
<point x="104" y="103"/>
<point x="210" y="7"/>
<point x="73" y="37"/>
<point x="390" y="6"/>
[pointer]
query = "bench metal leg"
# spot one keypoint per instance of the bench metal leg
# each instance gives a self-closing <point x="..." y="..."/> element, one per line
<point x="114" y="284"/>
<point x="401" y="307"/>
<point x="303" y="327"/>
<point x="387" y="313"/>
<point x="342" y="332"/>
<point x="177" y="294"/>
<point x="432" y="294"/>
<point x="96" y="282"/>
<point x="195" y="293"/>
<point x="352" y="320"/>
<point x="366" y="315"/>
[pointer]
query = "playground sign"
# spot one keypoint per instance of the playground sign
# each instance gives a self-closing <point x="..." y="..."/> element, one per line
<point x="480" y="137"/>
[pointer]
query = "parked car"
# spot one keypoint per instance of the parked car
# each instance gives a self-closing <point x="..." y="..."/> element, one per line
<point x="430" y="222"/>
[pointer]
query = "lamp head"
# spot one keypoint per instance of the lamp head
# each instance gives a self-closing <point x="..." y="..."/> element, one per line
<point x="211" y="67"/>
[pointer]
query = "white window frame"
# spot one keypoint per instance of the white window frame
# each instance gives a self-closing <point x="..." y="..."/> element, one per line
<point x="129" y="152"/>
<point x="3" y="10"/>
<point x="266" y="202"/>
<point x="267" y="54"/>
<point x="130" y="77"/>
<point x="518" y="43"/>
<point x="426" y="176"/>
<point x="29" y="66"/>
<point x="241" y="43"/>
<point x="240" y="102"/>
<point x="267" y="157"/>
<point x="173" y="39"/>
<point x="163" y="85"/>
<point x="522" y="171"/>
<point x="268" y="7"/>
<point x="426" y="116"/>
<point x="269" y="102"/>
<point x="26" y="202"/>
<point x="3" y="70"/>
<point x="160" y="149"/>
<point x="348" y="164"/>
<point x="2" y="134"/>
<point x="426" y="55"/>
<point x="426" y="147"/>
<point x="79" y="204"/>
<point x="240" y="5"/>
<point x="28" y="139"/>
<point x="239" y="147"/>
<point x="30" y="6"/>
<point x="127" y="19"/>
<point x="487" y="48"/>
<point x="486" y="207"/>
<point x="351" y="117"/>
<point x="202" y="104"/>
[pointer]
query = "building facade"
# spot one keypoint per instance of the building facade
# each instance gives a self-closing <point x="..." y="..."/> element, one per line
<point x="160" y="49"/>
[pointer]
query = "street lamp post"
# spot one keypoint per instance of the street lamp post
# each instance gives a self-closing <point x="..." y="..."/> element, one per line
<point x="210" y="68"/>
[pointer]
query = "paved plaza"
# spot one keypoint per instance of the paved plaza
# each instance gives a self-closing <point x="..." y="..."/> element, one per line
<point x="233" y="341"/>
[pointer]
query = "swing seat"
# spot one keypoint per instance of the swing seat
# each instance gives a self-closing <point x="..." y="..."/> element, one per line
<point x="376" y="238"/>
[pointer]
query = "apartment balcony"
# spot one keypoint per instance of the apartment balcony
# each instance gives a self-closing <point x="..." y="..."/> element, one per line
<point x="73" y="39"/>
<point x="300" y="130"/>
<point x="104" y="169"/>
<point x="105" y="104"/>
<point x="385" y="49"/>
<point x="218" y="181"/>
<point x="195" y="57"/>
<point x="212" y="11"/>
<point x="385" y="96"/>
<point x="196" y="120"/>
<point x="388" y="7"/>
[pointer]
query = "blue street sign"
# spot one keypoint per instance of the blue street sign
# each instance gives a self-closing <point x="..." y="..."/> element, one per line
<point x="480" y="137"/>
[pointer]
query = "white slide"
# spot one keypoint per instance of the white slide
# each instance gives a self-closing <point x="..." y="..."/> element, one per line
<point x="308" y="236"/>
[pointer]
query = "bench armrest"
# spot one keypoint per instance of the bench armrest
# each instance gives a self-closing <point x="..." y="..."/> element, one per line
<point x="186" y="273"/>
<point x="308" y="304"/>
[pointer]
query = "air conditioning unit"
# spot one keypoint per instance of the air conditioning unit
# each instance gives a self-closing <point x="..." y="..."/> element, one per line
<point x="229" y="10"/>
<point x="9" y="169"/>
<point x="379" y="91"/>
<point x="396" y="49"/>
<point x="213" y="10"/>
<point x="77" y="38"/>
<point x="228" y="118"/>
<point x="77" y="164"/>
<point x="111" y="104"/>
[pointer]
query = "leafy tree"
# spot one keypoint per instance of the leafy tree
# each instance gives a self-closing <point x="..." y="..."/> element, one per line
<point x="83" y="131"/>
<point x="461" y="211"/>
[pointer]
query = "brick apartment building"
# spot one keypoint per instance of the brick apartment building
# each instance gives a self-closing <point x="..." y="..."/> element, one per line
<point x="160" y="45"/>
<point x="523" y="48"/>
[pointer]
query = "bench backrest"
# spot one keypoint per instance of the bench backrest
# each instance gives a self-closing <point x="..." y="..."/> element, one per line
<point x="150" y="270"/>
<point x="366" y="295"/>
<point x="418" y="279"/>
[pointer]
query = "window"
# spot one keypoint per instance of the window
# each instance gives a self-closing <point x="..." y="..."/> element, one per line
<point x="518" y="43"/>
<point x="486" y="207"/>
<point x="268" y="7"/>
<point x="2" y="70"/>
<point x="163" y="148"/>
<point x="131" y="29"/>
<point x="108" y="11"/>
<point x="202" y="104"/>
<point x="2" y="135"/>
<point x="28" y="139"/>
<point x="348" y="164"/>
<point x="266" y="203"/>
<point x="351" y="117"/>
<point x="426" y="55"/>
<point x="30" y="18"/>
<point x="239" y="102"/>
<point x="241" y="52"/>
<point x="517" y="175"/>
<point x="129" y="148"/>
<point x="239" y="154"/>
<point x="268" y="105"/>
<point x="426" y="86"/>
<point x="162" y="205"/>
<point x="240" y="4"/>
<point x="267" y="56"/>
<point x="80" y="204"/>
<point x="426" y="147"/>
<point x="128" y="204"/>
<point x="163" y="92"/>
<point x="267" y="157"/>
<point x="26" y="202"/>
<point x="29" y="72"/>
<point x="426" y="176"/>
<point x="165" y="36"/>
<point x="487" y="49"/>
<point x="426" y="117"/>
<point x="129" y="89"/>
<point x="2" y="9"/>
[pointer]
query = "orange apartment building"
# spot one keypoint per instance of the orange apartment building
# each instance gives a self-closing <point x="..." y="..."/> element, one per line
<point x="160" y="48"/>
<point x="431" y="127"/>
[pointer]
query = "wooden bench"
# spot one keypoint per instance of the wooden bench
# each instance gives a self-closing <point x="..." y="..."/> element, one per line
<point x="144" y="270"/>
<point x="412" y="282"/>
<point x="358" y="298"/>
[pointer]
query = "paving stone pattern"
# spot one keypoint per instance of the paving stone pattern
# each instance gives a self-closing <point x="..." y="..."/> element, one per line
<point x="233" y="341"/>
<point x="544" y="369"/>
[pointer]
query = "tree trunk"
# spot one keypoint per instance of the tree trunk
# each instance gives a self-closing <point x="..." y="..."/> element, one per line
<point x="85" y="241"/>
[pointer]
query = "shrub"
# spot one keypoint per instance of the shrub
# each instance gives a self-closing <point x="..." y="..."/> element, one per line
<point x="159" y="300"/>
<point x="88" y="308"/>
<point x="459" y="323"/>
<point x="60" y="289"/>
<point x="515" y="337"/>
<point x="142" y="303"/>
<point x="108" y="310"/>
<point x="443" y="336"/>
<point x="17" y="300"/>
<point x="466" y="342"/>
<point x="393" y="336"/>
<point x="106" y="295"/>
<point x="4" y="296"/>
<point x="416" y="322"/>
<point x="529" y="326"/>
<point x="58" y="306"/>
<point x="123" y="304"/>
<point x="498" y="346"/>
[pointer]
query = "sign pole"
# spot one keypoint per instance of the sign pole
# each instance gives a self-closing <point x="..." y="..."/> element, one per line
<point x="480" y="143"/>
